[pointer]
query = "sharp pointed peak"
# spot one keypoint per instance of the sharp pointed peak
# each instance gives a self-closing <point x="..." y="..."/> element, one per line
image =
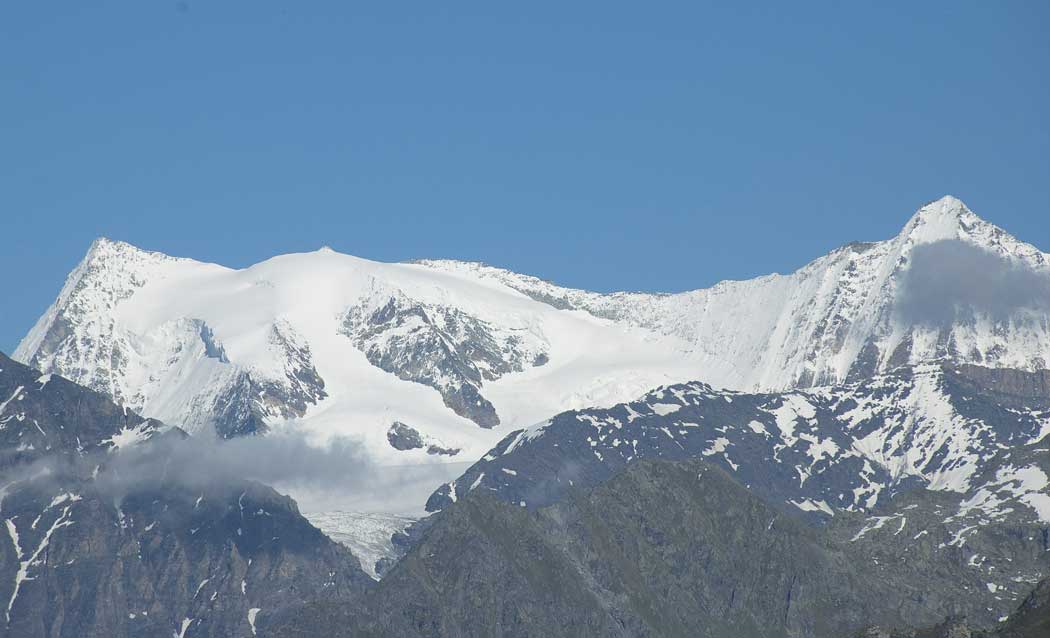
<point x="944" y="218"/>
<point x="105" y="248"/>
<point x="101" y="243"/>
<point x="105" y="244"/>
<point x="947" y="207"/>
<point x="948" y="201"/>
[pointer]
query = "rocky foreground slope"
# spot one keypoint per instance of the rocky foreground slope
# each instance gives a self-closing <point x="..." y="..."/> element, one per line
<point x="935" y="474"/>
<point x="1030" y="620"/>
<point x="661" y="549"/>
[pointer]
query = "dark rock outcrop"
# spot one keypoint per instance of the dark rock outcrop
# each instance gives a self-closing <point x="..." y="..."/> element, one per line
<point x="403" y="437"/>
<point x="442" y="347"/>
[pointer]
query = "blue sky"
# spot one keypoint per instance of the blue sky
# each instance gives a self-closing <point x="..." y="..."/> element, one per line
<point x="601" y="145"/>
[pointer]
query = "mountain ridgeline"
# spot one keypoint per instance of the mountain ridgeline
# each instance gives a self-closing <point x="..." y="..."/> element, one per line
<point x="463" y="352"/>
<point x="856" y="448"/>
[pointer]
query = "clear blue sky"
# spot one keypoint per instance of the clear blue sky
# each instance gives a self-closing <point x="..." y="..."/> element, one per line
<point x="601" y="145"/>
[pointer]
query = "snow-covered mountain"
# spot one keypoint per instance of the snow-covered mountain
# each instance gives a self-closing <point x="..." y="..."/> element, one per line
<point x="435" y="361"/>
<point x="418" y="364"/>
<point x="852" y="312"/>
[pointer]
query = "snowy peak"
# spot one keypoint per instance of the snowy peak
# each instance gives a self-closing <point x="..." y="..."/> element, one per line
<point x="948" y="218"/>
<point x="840" y="316"/>
<point x="942" y="219"/>
<point x="104" y="248"/>
<point x="109" y="272"/>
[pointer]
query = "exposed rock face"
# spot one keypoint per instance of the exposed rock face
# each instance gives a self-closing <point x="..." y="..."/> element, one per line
<point x="44" y="415"/>
<point x="1009" y="386"/>
<point x="93" y="551"/>
<point x="242" y="401"/>
<point x="951" y="628"/>
<point x="404" y="437"/>
<point x="60" y="343"/>
<point x="442" y="451"/>
<point x="442" y="347"/>
<point x="922" y="478"/>
<point x="330" y="339"/>
<point x="298" y="385"/>
<point x="89" y="568"/>
<point x="1030" y="620"/>
<point x="925" y="541"/>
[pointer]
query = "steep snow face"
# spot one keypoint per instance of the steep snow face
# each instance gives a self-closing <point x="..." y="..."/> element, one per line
<point x="833" y="320"/>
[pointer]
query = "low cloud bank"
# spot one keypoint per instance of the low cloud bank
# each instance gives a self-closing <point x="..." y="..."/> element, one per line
<point x="286" y="459"/>
<point x="334" y="475"/>
<point x="950" y="279"/>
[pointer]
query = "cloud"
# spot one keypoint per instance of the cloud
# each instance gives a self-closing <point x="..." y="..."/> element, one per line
<point x="285" y="459"/>
<point x="336" y="475"/>
<point x="950" y="279"/>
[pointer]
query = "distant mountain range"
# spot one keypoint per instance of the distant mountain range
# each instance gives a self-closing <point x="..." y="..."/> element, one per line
<point x="859" y="443"/>
<point x="435" y="361"/>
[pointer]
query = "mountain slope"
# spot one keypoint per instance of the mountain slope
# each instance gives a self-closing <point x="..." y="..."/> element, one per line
<point x="840" y="448"/>
<point x="102" y="538"/>
<point x="1030" y="620"/>
<point x="925" y="469"/>
<point x="661" y="549"/>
